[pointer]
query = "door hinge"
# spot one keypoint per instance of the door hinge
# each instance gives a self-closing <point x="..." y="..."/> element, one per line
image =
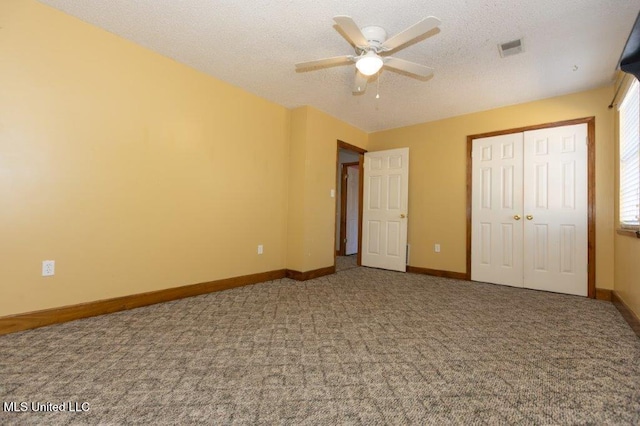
<point x="345" y="241"/>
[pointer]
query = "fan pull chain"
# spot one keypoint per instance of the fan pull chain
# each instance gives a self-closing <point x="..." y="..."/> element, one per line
<point x="378" y="89"/>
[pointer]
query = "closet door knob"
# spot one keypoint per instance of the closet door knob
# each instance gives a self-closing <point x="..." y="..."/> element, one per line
<point x="529" y="217"/>
<point x="516" y="217"/>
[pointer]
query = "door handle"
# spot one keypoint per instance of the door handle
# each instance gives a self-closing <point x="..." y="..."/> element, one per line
<point x="516" y="217"/>
<point x="402" y="216"/>
<point x="529" y="217"/>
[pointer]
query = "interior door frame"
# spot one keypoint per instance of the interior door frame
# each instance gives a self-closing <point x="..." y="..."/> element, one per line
<point x="343" y="206"/>
<point x="591" y="190"/>
<point x="347" y="146"/>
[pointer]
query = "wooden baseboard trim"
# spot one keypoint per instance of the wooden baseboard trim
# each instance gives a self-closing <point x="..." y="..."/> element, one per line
<point x="309" y="275"/>
<point x="629" y="316"/>
<point x="438" y="273"/>
<point x="20" y="322"/>
<point x="603" y="294"/>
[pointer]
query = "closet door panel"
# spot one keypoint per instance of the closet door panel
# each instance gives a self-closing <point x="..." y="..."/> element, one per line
<point x="496" y="253"/>
<point x="555" y="209"/>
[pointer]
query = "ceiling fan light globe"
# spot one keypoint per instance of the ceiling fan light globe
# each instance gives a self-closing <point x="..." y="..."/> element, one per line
<point x="369" y="64"/>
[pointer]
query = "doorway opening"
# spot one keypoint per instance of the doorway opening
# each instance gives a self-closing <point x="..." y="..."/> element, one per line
<point x="349" y="191"/>
<point x="348" y="232"/>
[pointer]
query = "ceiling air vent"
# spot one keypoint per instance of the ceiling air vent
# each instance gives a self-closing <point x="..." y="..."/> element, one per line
<point x="510" y="48"/>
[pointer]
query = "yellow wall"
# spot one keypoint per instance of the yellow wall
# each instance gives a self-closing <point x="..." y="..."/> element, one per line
<point x="627" y="267"/>
<point x="314" y="139"/>
<point x="297" y="194"/>
<point x="131" y="171"/>
<point x="437" y="179"/>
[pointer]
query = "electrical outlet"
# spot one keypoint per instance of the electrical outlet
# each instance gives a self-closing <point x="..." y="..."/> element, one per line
<point x="260" y="249"/>
<point x="332" y="193"/>
<point x="436" y="248"/>
<point x="48" y="268"/>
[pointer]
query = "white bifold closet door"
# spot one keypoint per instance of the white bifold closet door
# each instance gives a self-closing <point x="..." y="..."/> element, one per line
<point x="497" y="204"/>
<point x="529" y="209"/>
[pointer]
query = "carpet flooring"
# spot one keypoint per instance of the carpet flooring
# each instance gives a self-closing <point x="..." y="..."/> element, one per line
<point x="359" y="347"/>
<point x="346" y="262"/>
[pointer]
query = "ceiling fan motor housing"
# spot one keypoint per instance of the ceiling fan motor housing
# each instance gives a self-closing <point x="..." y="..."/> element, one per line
<point x="374" y="35"/>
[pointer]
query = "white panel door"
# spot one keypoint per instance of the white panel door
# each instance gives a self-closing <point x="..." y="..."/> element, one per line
<point x="555" y="209"/>
<point x="529" y="218"/>
<point x="384" y="221"/>
<point x="496" y="251"/>
<point x="353" y="184"/>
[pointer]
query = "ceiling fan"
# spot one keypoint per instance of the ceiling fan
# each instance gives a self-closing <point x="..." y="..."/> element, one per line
<point x="371" y="46"/>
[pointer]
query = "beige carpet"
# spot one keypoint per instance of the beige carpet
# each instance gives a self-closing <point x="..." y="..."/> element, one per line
<point x="346" y="262"/>
<point x="362" y="346"/>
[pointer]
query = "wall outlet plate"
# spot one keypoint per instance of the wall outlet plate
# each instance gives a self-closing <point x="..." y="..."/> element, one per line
<point x="260" y="249"/>
<point x="48" y="268"/>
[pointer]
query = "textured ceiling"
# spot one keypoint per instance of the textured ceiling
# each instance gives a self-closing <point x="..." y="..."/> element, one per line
<point x="570" y="45"/>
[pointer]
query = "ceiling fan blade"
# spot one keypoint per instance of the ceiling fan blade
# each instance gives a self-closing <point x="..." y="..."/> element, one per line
<point x="414" y="31"/>
<point x="351" y="30"/>
<point x="360" y="83"/>
<point x="336" y="60"/>
<point x="409" y="67"/>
